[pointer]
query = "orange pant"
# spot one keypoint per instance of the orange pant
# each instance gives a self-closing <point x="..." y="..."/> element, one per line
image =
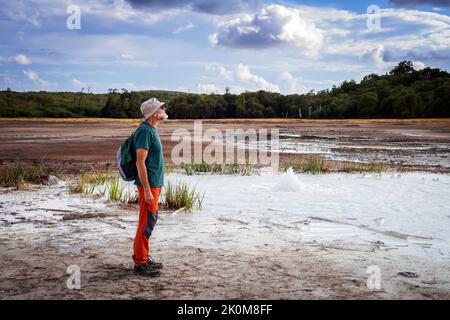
<point x="148" y="215"/>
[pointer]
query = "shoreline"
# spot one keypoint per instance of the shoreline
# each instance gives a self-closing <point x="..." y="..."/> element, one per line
<point x="403" y="145"/>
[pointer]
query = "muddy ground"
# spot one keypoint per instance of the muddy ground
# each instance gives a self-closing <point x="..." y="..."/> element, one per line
<point x="71" y="145"/>
<point x="36" y="252"/>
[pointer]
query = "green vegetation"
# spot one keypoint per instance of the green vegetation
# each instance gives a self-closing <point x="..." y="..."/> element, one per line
<point x="103" y="183"/>
<point x="180" y="195"/>
<point x="18" y="175"/>
<point x="373" y="167"/>
<point x="234" y="168"/>
<point x="169" y="168"/>
<point x="96" y="177"/>
<point x="177" y="195"/>
<point x="74" y="188"/>
<point x="88" y="181"/>
<point x="315" y="164"/>
<point x="403" y="93"/>
<point x="203" y="167"/>
<point x="76" y="104"/>
<point x="240" y="169"/>
<point x="51" y="104"/>
<point x="116" y="190"/>
<point x="376" y="167"/>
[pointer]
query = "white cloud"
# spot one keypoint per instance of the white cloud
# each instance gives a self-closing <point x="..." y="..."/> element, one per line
<point x="403" y="31"/>
<point x="220" y="70"/>
<point x="213" y="39"/>
<point x="127" y="56"/>
<point x="184" y="28"/>
<point x="36" y="12"/>
<point x="405" y="34"/>
<point x="98" y="87"/>
<point x="79" y="84"/>
<point x="207" y="88"/>
<point x="293" y="84"/>
<point x="34" y="77"/>
<point x="273" y="25"/>
<point x="376" y="56"/>
<point x="414" y="3"/>
<point x="204" y="6"/>
<point x="418" y="65"/>
<point x="259" y="83"/>
<point x="239" y="76"/>
<point x="22" y="59"/>
<point x="33" y="12"/>
<point x="105" y="49"/>
<point x="121" y="10"/>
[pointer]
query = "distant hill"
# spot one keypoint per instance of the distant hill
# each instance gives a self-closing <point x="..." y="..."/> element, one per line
<point x="401" y="93"/>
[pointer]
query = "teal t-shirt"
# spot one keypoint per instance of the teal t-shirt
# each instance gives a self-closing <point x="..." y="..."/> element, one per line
<point x="146" y="136"/>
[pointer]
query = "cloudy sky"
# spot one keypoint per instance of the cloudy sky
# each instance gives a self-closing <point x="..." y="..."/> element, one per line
<point x="205" y="46"/>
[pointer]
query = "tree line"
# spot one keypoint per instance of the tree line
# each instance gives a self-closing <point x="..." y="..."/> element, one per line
<point x="402" y="93"/>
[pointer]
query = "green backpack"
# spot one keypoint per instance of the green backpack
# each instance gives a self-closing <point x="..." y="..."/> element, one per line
<point x="126" y="159"/>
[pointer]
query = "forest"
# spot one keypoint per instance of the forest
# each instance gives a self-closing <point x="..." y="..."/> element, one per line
<point x="401" y="93"/>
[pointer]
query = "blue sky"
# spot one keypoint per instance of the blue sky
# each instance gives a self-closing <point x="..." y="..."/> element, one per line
<point x="205" y="46"/>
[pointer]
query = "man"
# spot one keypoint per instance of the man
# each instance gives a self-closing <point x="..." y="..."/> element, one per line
<point x="150" y="168"/>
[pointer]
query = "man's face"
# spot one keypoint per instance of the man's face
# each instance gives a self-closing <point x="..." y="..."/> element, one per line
<point x="161" y="113"/>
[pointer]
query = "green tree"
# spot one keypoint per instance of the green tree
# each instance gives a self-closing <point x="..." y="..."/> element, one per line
<point x="367" y="104"/>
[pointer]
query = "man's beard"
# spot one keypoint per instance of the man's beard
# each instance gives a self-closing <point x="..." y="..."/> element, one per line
<point x="163" y="117"/>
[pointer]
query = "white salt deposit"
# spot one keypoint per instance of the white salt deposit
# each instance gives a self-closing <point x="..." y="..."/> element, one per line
<point x="289" y="182"/>
<point x="409" y="212"/>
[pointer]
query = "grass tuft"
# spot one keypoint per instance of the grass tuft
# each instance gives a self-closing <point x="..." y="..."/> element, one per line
<point x="234" y="168"/>
<point x="20" y="174"/>
<point x="315" y="164"/>
<point x="179" y="195"/>
<point x="103" y="183"/>
<point x="374" y="167"/>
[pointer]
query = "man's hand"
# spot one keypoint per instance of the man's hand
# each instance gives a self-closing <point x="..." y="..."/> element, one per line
<point x="148" y="196"/>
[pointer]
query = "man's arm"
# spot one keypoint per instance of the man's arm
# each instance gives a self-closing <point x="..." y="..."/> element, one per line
<point x="141" y="155"/>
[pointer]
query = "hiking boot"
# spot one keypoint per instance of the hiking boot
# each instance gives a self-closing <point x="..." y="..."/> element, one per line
<point x="154" y="265"/>
<point x="145" y="270"/>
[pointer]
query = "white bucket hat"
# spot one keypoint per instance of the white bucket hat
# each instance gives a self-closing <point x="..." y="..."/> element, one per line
<point x="150" y="106"/>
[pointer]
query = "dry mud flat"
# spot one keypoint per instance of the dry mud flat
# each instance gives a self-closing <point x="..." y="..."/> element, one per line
<point x="46" y="230"/>
<point x="79" y="143"/>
